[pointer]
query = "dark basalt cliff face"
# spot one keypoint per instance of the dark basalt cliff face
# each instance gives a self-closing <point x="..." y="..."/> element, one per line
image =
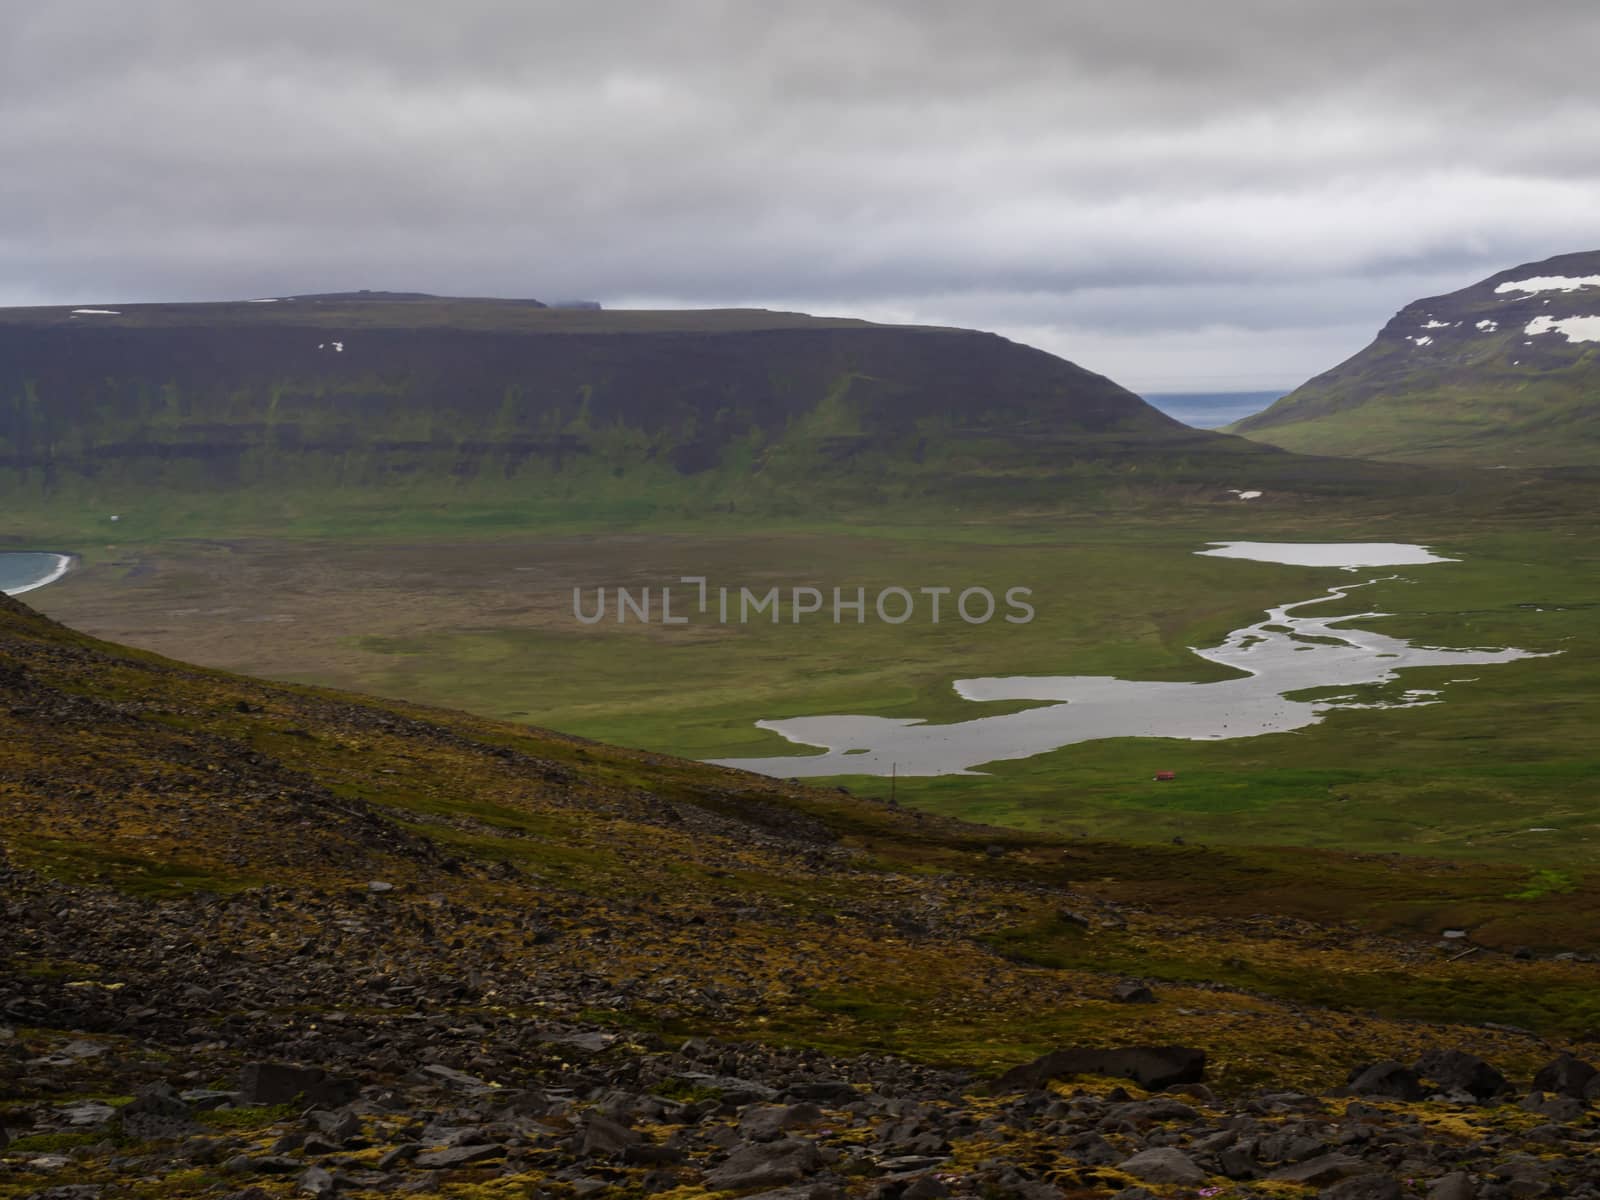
<point x="359" y="390"/>
<point x="1505" y="371"/>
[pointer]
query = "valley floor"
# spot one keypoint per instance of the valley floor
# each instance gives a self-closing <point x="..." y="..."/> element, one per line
<point x="1500" y="769"/>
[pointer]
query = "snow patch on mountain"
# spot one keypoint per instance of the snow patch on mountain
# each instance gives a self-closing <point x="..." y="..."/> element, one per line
<point x="1576" y="329"/>
<point x="1549" y="283"/>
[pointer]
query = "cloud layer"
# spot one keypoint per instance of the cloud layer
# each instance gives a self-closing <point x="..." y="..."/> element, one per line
<point x="1183" y="196"/>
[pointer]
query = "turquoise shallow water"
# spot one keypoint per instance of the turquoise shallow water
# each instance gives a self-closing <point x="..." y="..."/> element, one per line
<point x="23" y="572"/>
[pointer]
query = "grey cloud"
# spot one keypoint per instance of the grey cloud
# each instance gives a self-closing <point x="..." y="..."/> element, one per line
<point x="1215" y="175"/>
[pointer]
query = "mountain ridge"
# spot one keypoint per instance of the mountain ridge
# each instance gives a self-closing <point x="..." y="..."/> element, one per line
<point x="1492" y="374"/>
<point x="506" y="398"/>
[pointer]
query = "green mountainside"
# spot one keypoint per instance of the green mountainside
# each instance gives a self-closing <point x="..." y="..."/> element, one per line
<point x="363" y="392"/>
<point x="1503" y="373"/>
<point x="311" y="404"/>
<point x="266" y="941"/>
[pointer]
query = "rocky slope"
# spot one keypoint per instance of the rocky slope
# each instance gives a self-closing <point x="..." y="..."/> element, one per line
<point x="1505" y="372"/>
<point x="264" y="941"/>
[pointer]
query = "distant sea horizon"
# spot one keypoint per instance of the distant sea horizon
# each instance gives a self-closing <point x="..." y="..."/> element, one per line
<point x="1212" y="410"/>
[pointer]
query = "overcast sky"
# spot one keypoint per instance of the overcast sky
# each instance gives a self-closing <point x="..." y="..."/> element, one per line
<point x="1185" y="196"/>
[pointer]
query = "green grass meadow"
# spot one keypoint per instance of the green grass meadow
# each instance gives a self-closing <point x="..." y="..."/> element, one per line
<point x="449" y="607"/>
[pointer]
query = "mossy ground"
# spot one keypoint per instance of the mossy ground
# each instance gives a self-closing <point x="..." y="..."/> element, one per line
<point x="835" y="921"/>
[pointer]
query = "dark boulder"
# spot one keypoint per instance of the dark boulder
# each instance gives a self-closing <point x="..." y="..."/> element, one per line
<point x="1322" y="1170"/>
<point x="1457" y="1071"/>
<point x="1131" y="991"/>
<point x="825" y="1091"/>
<point x="605" y="1138"/>
<point x="156" y="1111"/>
<point x="1151" y="1067"/>
<point x="764" y="1122"/>
<point x="1141" y="1112"/>
<point x="1162" y="1164"/>
<point x="1557" y="1108"/>
<point x="1566" y="1076"/>
<point x="928" y="1187"/>
<point x="770" y="1165"/>
<point x="282" y="1083"/>
<point x="1364" y="1187"/>
<point x="1392" y="1080"/>
<point x="1455" y="1186"/>
<point x="459" y="1156"/>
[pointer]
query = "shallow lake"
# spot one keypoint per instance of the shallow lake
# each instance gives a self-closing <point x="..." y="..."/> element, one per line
<point x="1350" y="556"/>
<point x="23" y="572"/>
<point x="1293" y="650"/>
